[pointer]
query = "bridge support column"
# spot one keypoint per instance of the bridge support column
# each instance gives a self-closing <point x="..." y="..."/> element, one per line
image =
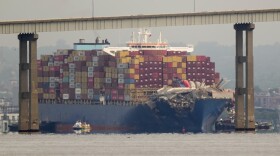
<point x="28" y="95"/>
<point x="244" y="93"/>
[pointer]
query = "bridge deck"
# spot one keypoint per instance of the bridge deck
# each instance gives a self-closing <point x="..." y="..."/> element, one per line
<point x="139" y="21"/>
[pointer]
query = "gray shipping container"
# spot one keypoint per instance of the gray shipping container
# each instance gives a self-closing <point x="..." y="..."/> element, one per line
<point x="78" y="96"/>
<point x="52" y="85"/>
<point x="120" y="71"/>
<point x="120" y="76"/>
<point x="108" y="80"/>
<point x="71" y="70"/>
<point x="90" y="69"/>
<point x="71" y="85"/>
<point x="95" y="64"/>
<point x="90" y="74"/>
<point x="90" y="97"/>
<point x="90" y="91"/>
<point x="71" y="80"/>
<point x="50" y="64"/>
<point x="52" y="79"/>
<point x="78" y="85"/>
<point x="122" y="65"/>
<point x="94" y="59"/>
<point x="76" y="58"/>
<point x="71" y="75"/>
<point x="71" y="65"/>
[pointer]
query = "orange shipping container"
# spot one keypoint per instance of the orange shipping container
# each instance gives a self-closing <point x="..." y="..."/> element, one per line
<point x="136" y="76"/>
<point x="184" y="76"/>
<point x="174" y="64"/>
<point x="179" y="70"/>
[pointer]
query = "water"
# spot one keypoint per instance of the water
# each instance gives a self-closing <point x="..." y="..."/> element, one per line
<point x="141" y="144"/>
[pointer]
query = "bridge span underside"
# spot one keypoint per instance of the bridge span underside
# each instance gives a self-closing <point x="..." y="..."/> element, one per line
<point x="140" y="21"/>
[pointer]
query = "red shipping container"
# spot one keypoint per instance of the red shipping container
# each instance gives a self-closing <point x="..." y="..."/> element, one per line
<point x="133" y="53"/>
<point x="88" y="54"/>
<point x="120" y="86"/>
<point x="51" y="90"/>
<point x="90" y="79"/>
<point x="90" y="85"/>
<point x="149" y="52"/>
<point x="121" y="97"/>
<point x="89" y="58"/>
<point x="114" y="97"/>
<point x="44" y="63"/>
<point x="39" y="63"/>
<point x="162" y="52"/>
<point x="58" y="58"/>
<point x="114" y="92"/>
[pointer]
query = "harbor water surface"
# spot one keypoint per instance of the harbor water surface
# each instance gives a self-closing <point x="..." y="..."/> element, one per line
<point x="140" y="144"/>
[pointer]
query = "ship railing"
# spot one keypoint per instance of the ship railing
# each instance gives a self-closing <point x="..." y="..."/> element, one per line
<point x="94" y="102"/>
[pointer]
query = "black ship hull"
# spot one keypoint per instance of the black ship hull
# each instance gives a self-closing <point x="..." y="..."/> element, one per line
<point x="142" y="118"/>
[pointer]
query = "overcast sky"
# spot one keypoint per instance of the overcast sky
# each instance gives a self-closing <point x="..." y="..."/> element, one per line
<point x="264" y="33"/>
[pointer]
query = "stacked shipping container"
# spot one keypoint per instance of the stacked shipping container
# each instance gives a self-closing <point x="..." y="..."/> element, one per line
<point x="85" y="75"/>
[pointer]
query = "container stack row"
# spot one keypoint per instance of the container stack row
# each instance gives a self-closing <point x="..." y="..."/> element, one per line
<point x="85" y="75"/>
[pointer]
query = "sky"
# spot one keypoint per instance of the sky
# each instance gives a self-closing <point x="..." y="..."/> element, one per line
<point x="264" y="33"/>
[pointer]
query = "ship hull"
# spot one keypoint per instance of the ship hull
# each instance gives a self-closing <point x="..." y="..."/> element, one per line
<point x="158" y="118"/>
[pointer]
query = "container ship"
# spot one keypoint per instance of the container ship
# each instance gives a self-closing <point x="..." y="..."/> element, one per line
<point x="145" y="87"/>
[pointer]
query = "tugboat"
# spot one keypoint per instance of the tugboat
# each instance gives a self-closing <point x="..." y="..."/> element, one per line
<point x="81" y="126"/>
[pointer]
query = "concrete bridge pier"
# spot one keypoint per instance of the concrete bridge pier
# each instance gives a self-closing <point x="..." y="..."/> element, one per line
<point x="28" y="95"/>
<point x="244" y="91"/>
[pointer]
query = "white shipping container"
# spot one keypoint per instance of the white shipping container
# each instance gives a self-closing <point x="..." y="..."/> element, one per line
<point x="126" y="97"/>
<point x="120" y="80"/>
<point x="65" y="96"/>
<point x="90" y="69"/>
<point x="95" y="59"/>
<point x="78" y="91"/>
<point x="52" y="79"/>
<point x="120" y="76"/>
<point x="52" y="85"/>
<point x="56" y="79"/>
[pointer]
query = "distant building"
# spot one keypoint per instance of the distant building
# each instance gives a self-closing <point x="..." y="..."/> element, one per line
<point x="12" y="118"/>
<point x="266" y="100"/>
